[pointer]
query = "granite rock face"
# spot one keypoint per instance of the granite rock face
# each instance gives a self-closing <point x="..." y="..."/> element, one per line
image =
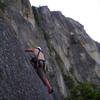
<point x="69" y="51"/>
<point x="72" y="51"/>
<point x="18" y="78"/>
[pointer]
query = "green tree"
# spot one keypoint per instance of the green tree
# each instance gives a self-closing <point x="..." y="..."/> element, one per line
<point x="84" y="91"/>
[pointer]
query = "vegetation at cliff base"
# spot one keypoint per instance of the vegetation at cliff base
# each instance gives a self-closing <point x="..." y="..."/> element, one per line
<point x="84" y="91"/>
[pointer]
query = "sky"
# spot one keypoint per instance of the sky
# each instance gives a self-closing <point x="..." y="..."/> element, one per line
<point x="86" y="12"/>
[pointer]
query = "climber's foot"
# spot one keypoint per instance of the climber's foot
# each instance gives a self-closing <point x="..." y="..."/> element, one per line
<point x="51" y="91"/>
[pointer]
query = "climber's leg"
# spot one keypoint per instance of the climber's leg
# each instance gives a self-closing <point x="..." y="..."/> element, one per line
<point x="42" y="76"/>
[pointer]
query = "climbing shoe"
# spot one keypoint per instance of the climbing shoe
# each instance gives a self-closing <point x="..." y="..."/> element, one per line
<point x="51" y="91"/>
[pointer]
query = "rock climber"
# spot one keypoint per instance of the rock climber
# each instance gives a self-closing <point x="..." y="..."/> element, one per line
<point x="39" y="64"/>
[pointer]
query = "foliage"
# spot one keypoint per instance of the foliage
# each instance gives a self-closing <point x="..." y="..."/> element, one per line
<point x="84" y="91"/>
<point x="68" y="81"/>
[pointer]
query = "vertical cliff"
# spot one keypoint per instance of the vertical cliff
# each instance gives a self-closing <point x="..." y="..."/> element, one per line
<point x="18" y="79"/>
<point x="72" y="52"/>
<point x="72" y="56"/>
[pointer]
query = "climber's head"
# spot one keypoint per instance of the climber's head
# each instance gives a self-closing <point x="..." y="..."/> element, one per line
<point x="39" y="48"/>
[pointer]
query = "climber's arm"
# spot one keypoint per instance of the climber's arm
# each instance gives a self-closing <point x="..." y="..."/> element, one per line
<point x="28" y="50"/>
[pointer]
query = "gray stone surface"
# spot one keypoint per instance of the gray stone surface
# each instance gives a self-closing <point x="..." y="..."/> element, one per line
<point x="68" y="49"/>
<point x="73" y="52"/>
<point x="18" y="79"/>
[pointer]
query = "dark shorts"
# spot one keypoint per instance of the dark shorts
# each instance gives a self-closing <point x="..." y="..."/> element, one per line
<point x="41" y="63"/>
<point x="38" y="63"/>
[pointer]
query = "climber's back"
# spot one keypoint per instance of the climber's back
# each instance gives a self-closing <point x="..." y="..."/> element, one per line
<point x="38" y="53"/>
